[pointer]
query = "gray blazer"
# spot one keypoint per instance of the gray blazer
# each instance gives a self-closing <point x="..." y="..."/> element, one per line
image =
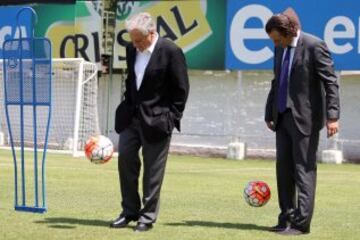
<point x="313" y="89"/>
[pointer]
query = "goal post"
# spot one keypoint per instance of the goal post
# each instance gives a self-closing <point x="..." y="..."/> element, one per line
<point x="86" y="122"/>
<point x="75" y="106"/>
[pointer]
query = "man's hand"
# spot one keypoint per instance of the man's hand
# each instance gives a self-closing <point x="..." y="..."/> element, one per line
<point x="270" y="125"/>
<point x="332" y="127"/>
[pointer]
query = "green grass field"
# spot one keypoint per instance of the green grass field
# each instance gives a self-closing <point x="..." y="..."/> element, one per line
<point x="201" y="199"/>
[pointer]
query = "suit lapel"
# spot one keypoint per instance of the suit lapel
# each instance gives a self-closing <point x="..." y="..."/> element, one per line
<point x="153" y="58"/>
<point x="297" y="54"/>
<point x="131" y="67"/>
<point x="153" y="61"/>
<point x="132" y="58"/>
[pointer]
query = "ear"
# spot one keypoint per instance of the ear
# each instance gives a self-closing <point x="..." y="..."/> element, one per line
<point x="290" y="12"/>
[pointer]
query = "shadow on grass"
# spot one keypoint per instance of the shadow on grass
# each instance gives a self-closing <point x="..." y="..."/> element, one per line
<point x="219" y="225"/>
<point x="61" y="226"/>
<point x="65" y="223"/>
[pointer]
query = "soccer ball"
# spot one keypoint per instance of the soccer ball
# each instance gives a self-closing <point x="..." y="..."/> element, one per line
<point x="99" y="149"/>
<point x="257" y="193"/>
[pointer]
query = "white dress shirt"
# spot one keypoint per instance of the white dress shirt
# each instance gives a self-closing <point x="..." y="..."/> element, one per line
<point x="142" y="60"/>
<point x="293" y="45"/>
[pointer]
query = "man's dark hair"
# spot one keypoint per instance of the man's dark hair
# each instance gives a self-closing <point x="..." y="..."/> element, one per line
<point x="285" y="24"/>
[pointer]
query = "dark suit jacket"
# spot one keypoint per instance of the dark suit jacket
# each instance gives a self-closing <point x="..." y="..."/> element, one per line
<point x="160" y="101"/>
<point x="313" y="88"/>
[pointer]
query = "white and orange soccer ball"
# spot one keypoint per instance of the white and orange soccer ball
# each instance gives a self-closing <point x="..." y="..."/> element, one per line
<point x="257" y="193"/>
<point x="99" y="149"/>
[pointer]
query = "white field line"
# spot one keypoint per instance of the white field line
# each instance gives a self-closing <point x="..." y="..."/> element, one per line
<point x="198" y="170"/>
<point x="40" y="150"/>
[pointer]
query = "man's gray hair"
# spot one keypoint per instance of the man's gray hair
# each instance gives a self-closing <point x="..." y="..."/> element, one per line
<point x="142" y="22"/>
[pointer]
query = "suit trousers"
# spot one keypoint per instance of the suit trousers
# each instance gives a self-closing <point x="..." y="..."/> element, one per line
<point x="296" y="172"/>
<point x="129" y="165"/>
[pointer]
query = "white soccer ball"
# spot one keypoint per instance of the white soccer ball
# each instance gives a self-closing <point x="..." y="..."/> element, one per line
<point x="99" y="149"/>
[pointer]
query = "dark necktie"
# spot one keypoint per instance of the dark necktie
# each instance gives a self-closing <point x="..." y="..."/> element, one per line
<point x="283" y="83"/>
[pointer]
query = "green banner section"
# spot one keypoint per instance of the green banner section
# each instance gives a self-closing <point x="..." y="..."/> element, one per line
<point x="74" y="30"/>
<point x="196" y="26"/>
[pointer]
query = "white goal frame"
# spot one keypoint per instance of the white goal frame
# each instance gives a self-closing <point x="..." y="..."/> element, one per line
<point x="87" y="75"/>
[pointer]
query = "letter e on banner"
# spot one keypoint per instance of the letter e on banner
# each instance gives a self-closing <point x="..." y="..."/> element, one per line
<point x="238" y="34"/>
<point x="330" y="34"/>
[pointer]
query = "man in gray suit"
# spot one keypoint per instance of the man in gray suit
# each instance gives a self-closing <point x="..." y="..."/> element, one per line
<point x="157" y="88"/>
<point x="303" y="98"/>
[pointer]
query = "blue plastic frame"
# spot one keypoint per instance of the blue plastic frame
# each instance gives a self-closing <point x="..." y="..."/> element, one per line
<point x="34" y="103"/>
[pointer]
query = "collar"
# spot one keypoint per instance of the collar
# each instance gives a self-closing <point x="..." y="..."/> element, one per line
<point x="295" y="40"/>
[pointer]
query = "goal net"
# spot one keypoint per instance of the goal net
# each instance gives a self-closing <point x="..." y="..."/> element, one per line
<point x="74" y="108"/>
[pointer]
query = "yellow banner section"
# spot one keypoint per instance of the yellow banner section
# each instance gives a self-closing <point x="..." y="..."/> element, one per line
<point x="178" y="15"/>
<point x="59" y="32"/>
<point x="183" y="22"/>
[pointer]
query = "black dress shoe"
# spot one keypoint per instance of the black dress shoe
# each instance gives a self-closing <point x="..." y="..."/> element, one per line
<point x="122" y="222"/>
<point x="278" y="228"/>
<point x="143" y="227"/>
<point x="292" y="231"/>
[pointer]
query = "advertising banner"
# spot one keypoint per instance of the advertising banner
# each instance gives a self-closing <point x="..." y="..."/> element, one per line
<point x="213" y="34"/>
<point x="248" y="46"/>
<point x="8" y="25"/>
<point x="195" y="26"/>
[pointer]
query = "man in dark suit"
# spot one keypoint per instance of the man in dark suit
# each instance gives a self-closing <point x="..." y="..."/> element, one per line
<point x="303" y="98"/>
<point x="157" y="88"/>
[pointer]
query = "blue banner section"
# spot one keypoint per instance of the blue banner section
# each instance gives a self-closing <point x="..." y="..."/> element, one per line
<point x="8" y="24"/>
<point x="336" y="22"/>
